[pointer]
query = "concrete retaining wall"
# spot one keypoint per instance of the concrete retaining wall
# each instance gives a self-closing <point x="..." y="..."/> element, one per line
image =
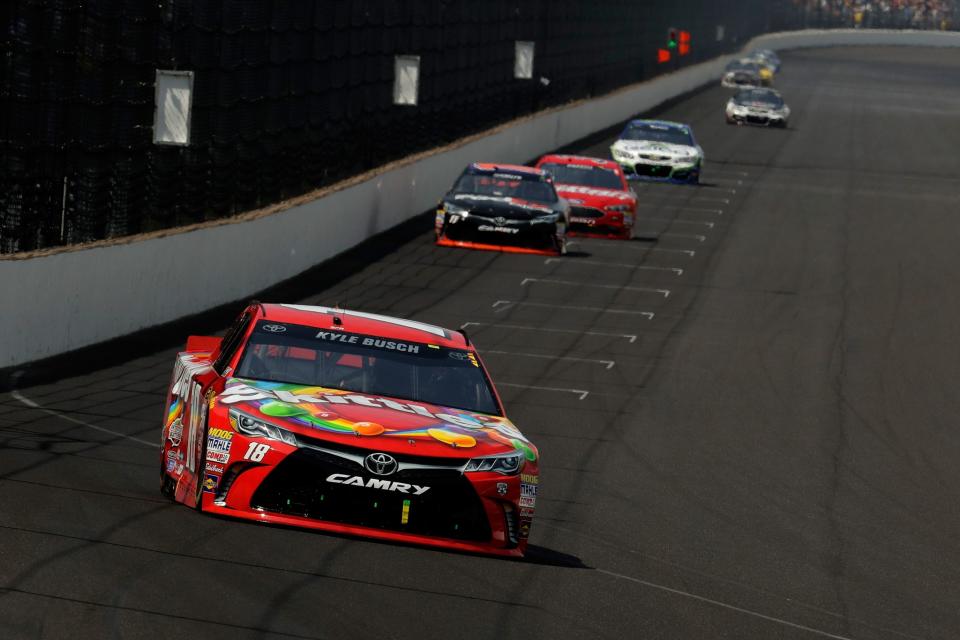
<point x="72" y="298"/>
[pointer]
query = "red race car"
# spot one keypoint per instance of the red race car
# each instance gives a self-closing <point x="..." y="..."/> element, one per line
<point x="601" y="201"/>
<point x="503" y="207"/>
<point x="348" y="422"/>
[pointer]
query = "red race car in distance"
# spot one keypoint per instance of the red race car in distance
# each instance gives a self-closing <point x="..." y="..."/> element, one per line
<point x="601" y="201"/>
<point x="348" y="422"/>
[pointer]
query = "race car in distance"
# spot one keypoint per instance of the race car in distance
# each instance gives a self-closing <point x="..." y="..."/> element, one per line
<point x="503" y="207"/>
<point x="758" y="106"/>
<point x="659" y="150"/>
<point x="766" y="57"/>
<point x="601" y="202"/>
<point x="746" y="72"/>
<point x="348" y="422"/>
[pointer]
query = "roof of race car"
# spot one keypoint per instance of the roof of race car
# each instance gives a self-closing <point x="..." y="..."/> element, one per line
<point x="370" y="324"/>
<point x="515" y="168"/>
<point x="582" y="160"/>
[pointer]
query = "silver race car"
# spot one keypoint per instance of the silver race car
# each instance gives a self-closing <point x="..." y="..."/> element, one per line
<point x="759" y="106"/>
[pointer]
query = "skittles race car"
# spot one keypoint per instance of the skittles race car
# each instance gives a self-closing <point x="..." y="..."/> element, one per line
<point x="348" y="422"/>
<point x="601" y="202"/>
<point x="659" y="150"/>
<point x="504" y="207"/>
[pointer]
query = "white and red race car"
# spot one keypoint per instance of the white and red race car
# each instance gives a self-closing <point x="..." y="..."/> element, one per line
<point x="601" y="201"/>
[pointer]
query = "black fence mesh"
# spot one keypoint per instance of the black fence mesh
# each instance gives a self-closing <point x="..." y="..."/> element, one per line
<point x="291" y="95"/>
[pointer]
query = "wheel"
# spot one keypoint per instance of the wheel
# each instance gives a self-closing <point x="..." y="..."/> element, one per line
<point x="561" y="245"/>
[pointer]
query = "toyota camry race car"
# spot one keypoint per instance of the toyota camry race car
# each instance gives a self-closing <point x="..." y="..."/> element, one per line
<point x="659" y="150"/>
<point x="758" y="106"/>
<point x="601" y="202"/>
<point x="503" y="207"/>
<point x="746" y="72"/>
<point x="348" y="422"/>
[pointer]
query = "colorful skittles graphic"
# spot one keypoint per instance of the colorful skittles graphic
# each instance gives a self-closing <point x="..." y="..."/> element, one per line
<point x="368" y="416"/>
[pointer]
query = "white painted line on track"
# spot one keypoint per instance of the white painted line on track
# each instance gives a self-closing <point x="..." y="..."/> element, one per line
<point x="33" y="405"/>
<point x="609" y="364"/>
<point x="600" y="263"/>
<point x="631" y="247"/>
<point x="503" y="305"/>
<point x="705" y="223"/>
<point x="727" y="181"/>
<point x="724" y="605"/>
<point x="727" y="172"/>
<point x="655" y="205"/>
<point x="699" y="237"/>
<point x="702" y="199"/>
<point x="664" y="292"/>
<point x="631" y="337"/>
<point x="580" y="392"/>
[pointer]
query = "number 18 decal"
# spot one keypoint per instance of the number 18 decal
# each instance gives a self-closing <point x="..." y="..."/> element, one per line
<point x="256" y="451"/>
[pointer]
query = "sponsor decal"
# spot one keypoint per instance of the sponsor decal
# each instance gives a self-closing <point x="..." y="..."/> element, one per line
<point x="376" y="483"/>
<point x="214" y="468"/>
<point x="579" y="220"/>
<point x="210" y="483"/>
<point x="179" y="470"/>
<point x="218" y="445"/>
<point x="529" y="479"/>
<point x="175" y="432"/>
<point x="487" y="227"/>
<point x="366" y="341"/>
<point x="507" y="176"/>
<point x="526" y="513"/>
<point x="217" y="456"/>
<point x="273" y="328"/>
<point x="524" y="530"/>
<point x="502" y="488"/>
<point x="171" y="460"/>
<point x="380" y="464"/>
<point x="528" y="502"/>
<point x="320" y="409"/>
<point x="528" y="490"/>
<point x="592" y="191"/>
<point x="223" y="434"/>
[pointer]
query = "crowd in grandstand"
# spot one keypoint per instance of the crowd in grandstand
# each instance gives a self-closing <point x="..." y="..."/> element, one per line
<point x="916" y="14"/>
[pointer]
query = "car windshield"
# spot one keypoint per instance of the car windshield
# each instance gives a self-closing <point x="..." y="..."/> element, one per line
<point x="657" y="133"/>
<point x="416" y="371"/>
<point x="767" y="98"/>
<point x="585" y="175"/>
<point x="743" y="65"/>
<point x="506" y="185"/>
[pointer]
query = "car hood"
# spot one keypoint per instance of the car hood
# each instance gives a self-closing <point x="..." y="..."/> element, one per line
<point x="652" y="146"/>
<point x="593" y="196"/>
<point x="494" y="206"/>
<point x="375" y="422"/>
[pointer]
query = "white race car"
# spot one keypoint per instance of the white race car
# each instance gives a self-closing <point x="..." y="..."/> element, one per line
<point x="659" y="150"/>
<point x="758" y="106"/>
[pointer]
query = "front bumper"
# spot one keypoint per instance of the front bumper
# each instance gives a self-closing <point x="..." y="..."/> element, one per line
<point x="762" y="119"/>
<point x="590" y="222"/>
<point x="511" y="236"/>
<point x="476" y="512"/>
<point x="660" y="170"/>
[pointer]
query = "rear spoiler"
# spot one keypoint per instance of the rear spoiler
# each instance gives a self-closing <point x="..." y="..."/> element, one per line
<point x="203" y="343"/>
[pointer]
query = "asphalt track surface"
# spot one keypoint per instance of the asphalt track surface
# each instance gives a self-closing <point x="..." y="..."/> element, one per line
<point x="747" y="417"/>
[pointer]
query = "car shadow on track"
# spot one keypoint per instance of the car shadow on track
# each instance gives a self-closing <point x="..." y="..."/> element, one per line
<point x="551" y="558"/>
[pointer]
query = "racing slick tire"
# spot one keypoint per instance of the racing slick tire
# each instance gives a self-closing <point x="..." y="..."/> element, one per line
<point x="560" y="245"/>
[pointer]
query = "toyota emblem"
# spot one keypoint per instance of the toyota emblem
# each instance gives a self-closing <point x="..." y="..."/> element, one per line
<point x="380" y="464"/>
<point x="274" y="328"/>
<point x="500" y="221"/>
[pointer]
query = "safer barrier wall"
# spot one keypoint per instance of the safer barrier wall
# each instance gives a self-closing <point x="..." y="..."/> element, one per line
<point x="73" y="298"/>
